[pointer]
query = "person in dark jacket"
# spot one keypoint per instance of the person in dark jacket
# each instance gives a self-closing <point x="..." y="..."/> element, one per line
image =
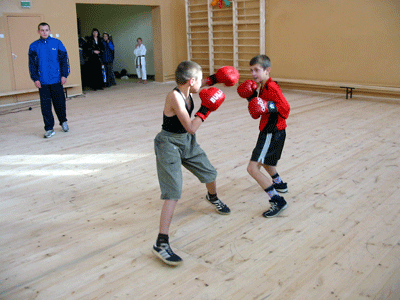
<point x="82" y="59"/>
<point x="94" y="52"/>
<point x="49" y="69"/>
<point x="108" y="58"/>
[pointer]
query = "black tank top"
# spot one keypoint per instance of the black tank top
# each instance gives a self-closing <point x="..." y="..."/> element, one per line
<point x="172" y="124"/>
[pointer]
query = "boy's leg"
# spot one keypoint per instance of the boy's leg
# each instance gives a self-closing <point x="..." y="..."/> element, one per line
<point x="162" y="249"/>
<point x="267" y="153"/>
<point x="212" y="187"/>
<point x="270" y="169"/>
<point x="278" y="184"/>
<point x="272" y="157"/>
<point x="166" y="215"/>
<point x="253" y="169"/>
<point x="170" y="178"/>
<point x="277" y="202"/>
<point x="212" y="197"/>
<point x="197" y="162"/>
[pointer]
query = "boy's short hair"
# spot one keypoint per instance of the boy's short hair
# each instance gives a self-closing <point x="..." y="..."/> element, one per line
<point x="186" y="70"/>
<point x="43" y="24"/>
<point x="262" y="60"/>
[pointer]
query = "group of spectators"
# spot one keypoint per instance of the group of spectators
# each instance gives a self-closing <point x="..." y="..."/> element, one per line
<point x="96" y="58"/>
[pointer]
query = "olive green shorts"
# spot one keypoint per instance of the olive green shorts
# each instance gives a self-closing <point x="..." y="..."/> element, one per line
<point x="174" y="150"/>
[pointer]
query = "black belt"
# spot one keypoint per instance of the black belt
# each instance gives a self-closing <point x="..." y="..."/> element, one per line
<point x="139" y="64"/>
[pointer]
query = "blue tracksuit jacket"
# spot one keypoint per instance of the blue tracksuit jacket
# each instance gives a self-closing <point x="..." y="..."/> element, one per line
<point x="48" y="61"/>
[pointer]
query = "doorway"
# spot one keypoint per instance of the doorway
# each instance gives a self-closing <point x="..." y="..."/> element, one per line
<point x="125" y="23"/>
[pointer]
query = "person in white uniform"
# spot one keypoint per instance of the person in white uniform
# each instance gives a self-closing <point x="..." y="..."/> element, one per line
<point x="140" y="52"/>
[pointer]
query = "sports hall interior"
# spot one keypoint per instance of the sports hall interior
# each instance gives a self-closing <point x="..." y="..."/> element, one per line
<point x="80" y="211"/>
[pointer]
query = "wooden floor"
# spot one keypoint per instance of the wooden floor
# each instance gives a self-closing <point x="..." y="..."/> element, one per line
<point x="80" y="211"/>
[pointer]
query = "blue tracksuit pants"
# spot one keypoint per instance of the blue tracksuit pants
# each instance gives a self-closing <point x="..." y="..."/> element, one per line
<point x="52" y="93"/>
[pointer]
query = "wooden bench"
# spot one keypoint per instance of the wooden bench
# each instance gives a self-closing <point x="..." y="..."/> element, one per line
<point x="28" y="91"/>
<point x="348" y="86"/>
<point x="66" y="87"/>
<point x="349" y="91"/>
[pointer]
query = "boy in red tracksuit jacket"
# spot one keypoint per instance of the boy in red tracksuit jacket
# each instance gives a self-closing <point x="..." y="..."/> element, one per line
<point x="273" y="109"/>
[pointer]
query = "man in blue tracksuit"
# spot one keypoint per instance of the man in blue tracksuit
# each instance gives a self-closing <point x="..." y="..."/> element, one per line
<point x="49" y="69"/>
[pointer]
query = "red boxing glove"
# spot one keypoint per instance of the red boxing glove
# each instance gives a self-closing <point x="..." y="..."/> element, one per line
<point x="211" y="99"/>
<point x="248" y="89"/>
<point x="258" y="107"/>
<point x="227" y="75"/>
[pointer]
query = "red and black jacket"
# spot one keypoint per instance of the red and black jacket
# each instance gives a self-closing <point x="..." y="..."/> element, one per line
<point x="274" y="121"/>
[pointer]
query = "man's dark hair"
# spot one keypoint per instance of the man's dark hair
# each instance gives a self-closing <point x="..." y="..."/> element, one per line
<point x="43" y="24"/>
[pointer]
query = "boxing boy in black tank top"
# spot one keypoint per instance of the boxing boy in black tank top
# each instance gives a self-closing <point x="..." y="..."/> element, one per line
<point x="175" y="146"/>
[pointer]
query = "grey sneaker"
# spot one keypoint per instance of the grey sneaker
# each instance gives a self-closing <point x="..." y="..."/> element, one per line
<point x="220" y="206"/>
<point x="49" y="134"/>
<point x="165" y="253"/>
<point x="65" y="127"/>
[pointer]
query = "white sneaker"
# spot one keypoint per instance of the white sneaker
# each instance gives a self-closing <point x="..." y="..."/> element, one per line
<point x="49" y="134"/>
<point x="65" y="127"/>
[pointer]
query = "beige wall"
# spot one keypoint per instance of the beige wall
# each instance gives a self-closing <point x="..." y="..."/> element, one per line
<point x="354" y="41"/>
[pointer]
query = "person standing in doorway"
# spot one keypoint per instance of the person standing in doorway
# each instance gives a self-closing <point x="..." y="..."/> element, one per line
<point x="140" y="52"/>
<point x="108" y="58"/>
<point x="94" y="51"/>
<point x="49" y="69"/>
<point x="82" y="59"/>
